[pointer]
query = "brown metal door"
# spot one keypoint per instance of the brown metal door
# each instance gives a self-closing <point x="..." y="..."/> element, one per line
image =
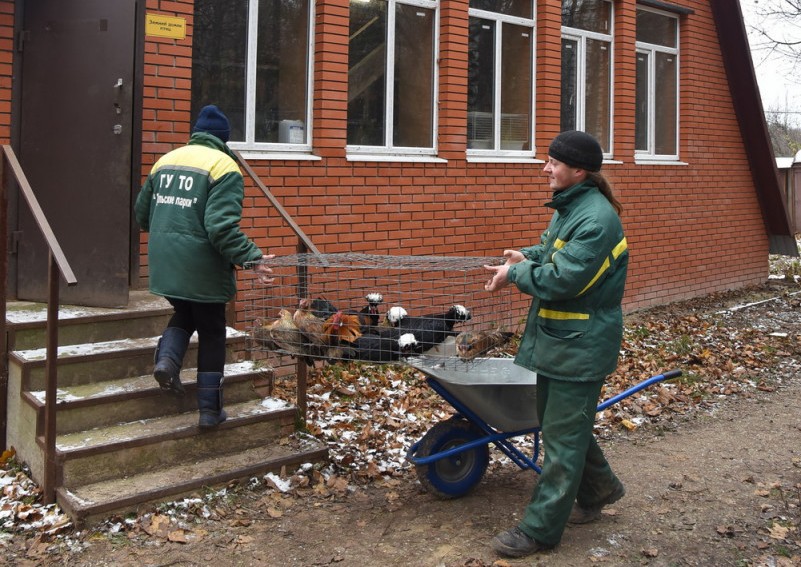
<point x="76" y="144"/>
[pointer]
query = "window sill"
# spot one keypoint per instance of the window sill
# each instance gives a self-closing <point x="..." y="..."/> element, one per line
<point x="504" y="159"/>
<point x="395" y="158"/>
<point x="646" y="161"/>
<point x="285" y="156"/>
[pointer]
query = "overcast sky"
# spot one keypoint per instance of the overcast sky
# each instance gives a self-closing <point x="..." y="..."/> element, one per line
<point x="779" y="85"/>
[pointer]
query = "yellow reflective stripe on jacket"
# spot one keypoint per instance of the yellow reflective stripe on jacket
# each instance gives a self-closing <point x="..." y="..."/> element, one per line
<point x="621" y="247"/>
<point x="198" y="159"/>
<point x="562" y="315"/>
<point x="557" y="245"/>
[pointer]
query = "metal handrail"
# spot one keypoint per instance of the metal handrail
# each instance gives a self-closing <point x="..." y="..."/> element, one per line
<point x="304" y="245"/>
<point x="58" y="265"/>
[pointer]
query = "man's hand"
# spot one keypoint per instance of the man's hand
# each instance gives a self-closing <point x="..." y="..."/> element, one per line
<point x="499" y="279"/>
<point x="263" y="271"/>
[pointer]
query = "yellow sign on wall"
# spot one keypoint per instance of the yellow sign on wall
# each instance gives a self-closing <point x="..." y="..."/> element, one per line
<point x="165" y="26"/>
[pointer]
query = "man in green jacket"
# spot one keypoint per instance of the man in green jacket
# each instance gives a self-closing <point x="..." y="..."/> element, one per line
<point x="191" y="205"/>
<point x="576" y="277"/>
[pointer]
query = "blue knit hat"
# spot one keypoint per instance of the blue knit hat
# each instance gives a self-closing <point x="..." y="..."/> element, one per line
<point x="577" y="149"/>
<point x="213" y="121"/>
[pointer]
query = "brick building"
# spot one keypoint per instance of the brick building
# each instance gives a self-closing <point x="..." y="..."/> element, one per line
<point x="447" y="162"/>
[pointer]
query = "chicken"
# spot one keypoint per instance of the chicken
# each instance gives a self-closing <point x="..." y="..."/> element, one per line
<point x="369" y="313"/>
<point x="322" y="308"/>
<point x="322" y="338"/>
<point x="394" y="316"/>
<point x="311" y="328"/>
<point x="469" y="344"/>
<point x="341" y="327"/>
<point x="387" y="346"/>
<point x="284" y="333"/>
<point x="431" y="330"/>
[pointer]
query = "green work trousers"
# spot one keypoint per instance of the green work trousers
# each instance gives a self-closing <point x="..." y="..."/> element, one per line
<point x="574" y="467"/>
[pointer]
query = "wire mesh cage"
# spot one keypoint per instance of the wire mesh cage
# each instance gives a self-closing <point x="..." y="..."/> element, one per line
<point x="379" y="309"/>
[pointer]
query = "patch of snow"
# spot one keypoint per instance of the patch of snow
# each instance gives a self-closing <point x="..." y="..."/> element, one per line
<point x="274" y="404"/>
<point x="278" y="482"/>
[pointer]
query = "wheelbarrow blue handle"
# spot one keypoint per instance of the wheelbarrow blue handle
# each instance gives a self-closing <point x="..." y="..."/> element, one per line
<point x="636" y="388"/>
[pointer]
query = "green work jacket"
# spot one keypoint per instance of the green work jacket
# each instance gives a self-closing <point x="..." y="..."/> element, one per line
<point x="576" y="277"/>
<point x="191" y="204"/>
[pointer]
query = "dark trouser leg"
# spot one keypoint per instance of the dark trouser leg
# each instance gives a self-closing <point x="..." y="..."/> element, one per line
<point x="210" y="321"/>
<point x="567" y="414"/>
<point x="171" y="348"/>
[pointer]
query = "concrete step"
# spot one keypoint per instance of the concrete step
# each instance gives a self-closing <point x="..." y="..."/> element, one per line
<point x="146" y="315"/>
<point x="108" y="360"/>
<point x="92" y="502"/>
<point x="137" y="447"/>
<point x="109" y="402"/>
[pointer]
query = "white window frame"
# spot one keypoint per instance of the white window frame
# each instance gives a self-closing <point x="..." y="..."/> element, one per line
<point x="651" y="50"/>
<point x="580" y="37"/>
<point x="255" y="149"/>
<point x="388" y="150"/>
<point x="499" y="20"/>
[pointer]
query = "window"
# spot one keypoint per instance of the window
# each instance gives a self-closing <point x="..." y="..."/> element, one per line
<point x="587" y="69"/>
<point x="391" y="76"/>
<point x="657" y="86"/>
<point x="500" y="73"/>
<point x="252" y="58"/>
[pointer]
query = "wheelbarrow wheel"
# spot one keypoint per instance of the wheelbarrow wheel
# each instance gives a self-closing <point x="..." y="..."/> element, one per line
<point x="454" y="476"/>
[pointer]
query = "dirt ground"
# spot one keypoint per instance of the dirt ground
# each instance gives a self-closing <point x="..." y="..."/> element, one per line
<point x="715" y="487"/>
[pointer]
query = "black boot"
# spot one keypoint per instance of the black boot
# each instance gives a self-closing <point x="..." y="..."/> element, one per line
<point x="209" y="399"/>
<point x="169" y="358"/>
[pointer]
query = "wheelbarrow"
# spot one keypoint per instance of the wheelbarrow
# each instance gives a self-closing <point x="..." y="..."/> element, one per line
<point x="495" y="401"/>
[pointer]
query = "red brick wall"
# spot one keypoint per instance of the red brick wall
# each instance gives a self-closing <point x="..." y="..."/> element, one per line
<point x="693" y="227"/>
<point x="6" y="62"/>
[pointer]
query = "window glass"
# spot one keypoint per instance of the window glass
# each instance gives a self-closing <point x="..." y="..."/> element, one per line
<point x="569" y="103"/>
<point x="391" y="80"/>
<point x="665" y="107"/>
<point x="219" y="54"/>
<point x="656" y="28"/>
<point x="481" y="81"/>
<point x="657" y="104"/>
<point x="281" y="67"/>
<point x="586" y="94"/>
<point x="516" y="92"/>
<point x="641" y="109"/>
<point x="499" y="82"/>
<point x="257" y="72"/>
<point x="414" y="77"/>
<point x="367" y="62"/>
<point x="589" y="15"/>
<point x="598" y="92"/>
<point x="519" y="8"/>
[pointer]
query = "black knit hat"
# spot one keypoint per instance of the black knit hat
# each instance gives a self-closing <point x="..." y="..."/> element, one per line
<point x="213" y="121"/>
<point x="577" y="149"/>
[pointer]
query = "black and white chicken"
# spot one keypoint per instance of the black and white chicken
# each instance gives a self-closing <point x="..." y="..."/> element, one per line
<point x="386" y="345"/>
<point x="429" y="330"/>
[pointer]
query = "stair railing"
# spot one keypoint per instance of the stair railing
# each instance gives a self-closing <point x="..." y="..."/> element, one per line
<point x="304" y="245"/>
<point x="58" y="266"/>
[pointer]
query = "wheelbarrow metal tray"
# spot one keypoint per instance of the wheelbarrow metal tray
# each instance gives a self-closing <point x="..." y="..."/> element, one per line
<point x="498" y="391"/>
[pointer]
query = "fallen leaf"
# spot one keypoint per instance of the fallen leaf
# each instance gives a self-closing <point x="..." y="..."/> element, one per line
<point x="177" y="536"/>
<point x="778" y="531"/>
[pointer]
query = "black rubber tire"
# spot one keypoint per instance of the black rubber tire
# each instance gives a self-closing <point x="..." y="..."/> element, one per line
<point x="453" y="476"/>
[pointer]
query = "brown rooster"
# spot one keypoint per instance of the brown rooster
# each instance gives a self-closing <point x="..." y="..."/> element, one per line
<point x="469" y="345"/>
<point x="322" y="338"/>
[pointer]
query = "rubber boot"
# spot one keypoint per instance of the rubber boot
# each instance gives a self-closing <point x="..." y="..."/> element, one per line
<point x="209" y="399"/>
<point x="169" y="358"/>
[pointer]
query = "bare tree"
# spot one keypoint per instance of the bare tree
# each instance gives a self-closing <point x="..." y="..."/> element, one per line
<point x="778" y="27"/>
